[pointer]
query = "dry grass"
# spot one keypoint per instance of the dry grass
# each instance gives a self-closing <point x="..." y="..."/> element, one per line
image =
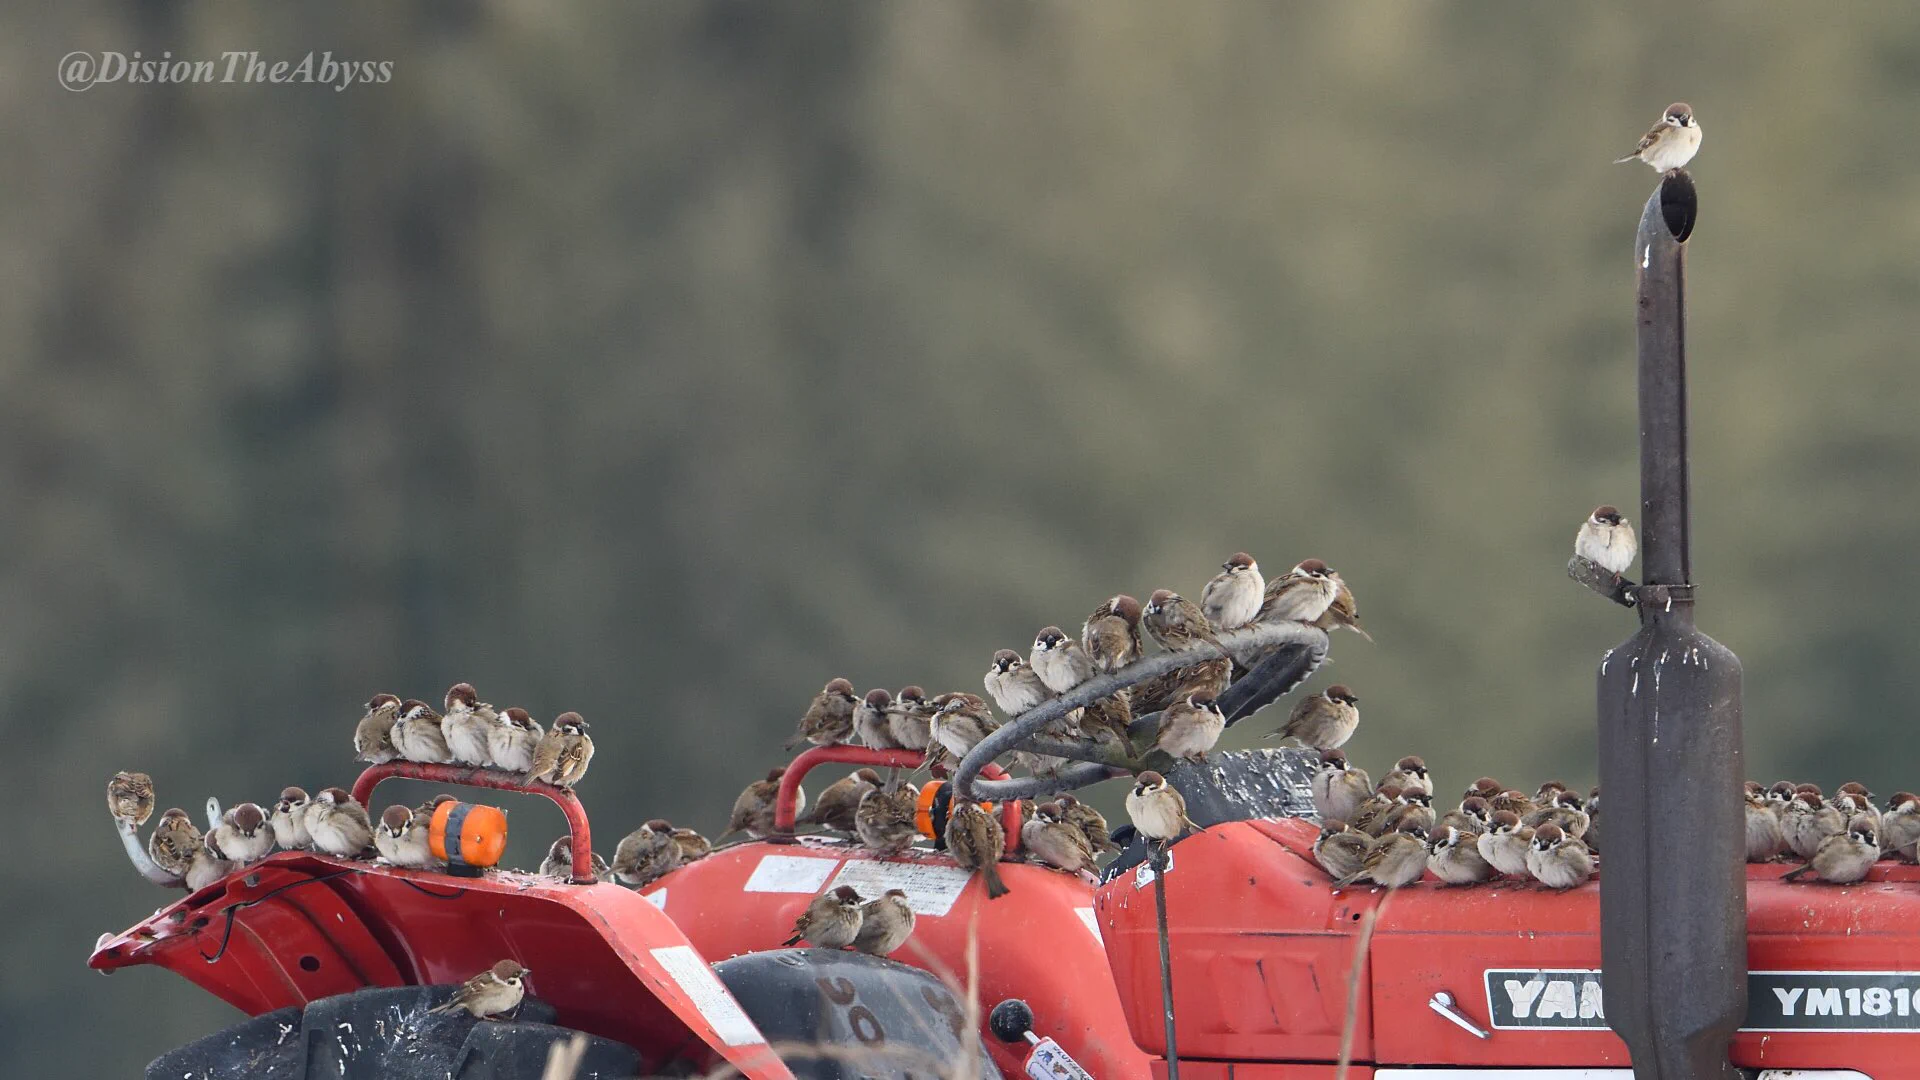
<point x="1352" y="1023"/>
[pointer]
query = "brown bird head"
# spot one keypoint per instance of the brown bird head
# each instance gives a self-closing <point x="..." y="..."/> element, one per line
<point x="1147" y="782"/>
<point x="1486" y="787"/>
<point x="1606" y="515"/>
<point x="1476" y="808"/>
<point x="1333" y="827"/>
<point x="415" y="709"/>
<point x="1812" y="789"/>
<point x="898" y="893"/>
<point x="1781" y="791"/>
<point x="840" y="688"/>
<point x="1547" y="836"/>
<point x="1413" y="829"/>
<point x="1203" y="700"/>
<point x="1313" y="568"/>
<point x="519" y="718"/>
<point x="1546" y="790"/>
<point x="1049" y="638"/>
<point x="1416" y="798"/>
<point x="878" y="699"/>
<point x="659" y="827"/>
<point x="1854" y="787"/>
<point x="1806" y="800"/>
<point x="1005" y="660"/>
<point x="508" y="971"/>
<point x="1413" y="764"/>
<point x="1339" y="692"/>
<point x="1065" y="799"/>
<point x="913" y="696"/>
<point x="248" y="817"/>
<point x="846" y="895"/>
<point x="1048" y="812"/>
<point x="1862" y="829"/>
<point x="1161" y="600"/>
<point x="172" y="814"/>
<point x="774" y="774"/>
<point x="867" y="776"/>
<point x="1680" y="114"/>
<point x="395" y="819"/>
<point x="461" y="694"/>
<point x="1389" y="792"/>
<point x="383" y="701"/>
<point x="1504" y="821"/>
<point x="1334" y="759"/>
<point x="1127" y="608"/>
<point x="1903" y="802"/>
<point x="1754" y="790"/>
<point x="290" y="799"/>
<point x="1239" y="563"/>
<point x="556" y="850"/>
<point x="572" y="723"/>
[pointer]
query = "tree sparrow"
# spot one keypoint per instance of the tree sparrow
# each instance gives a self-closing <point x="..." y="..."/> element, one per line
<point x="1416" y="807"/>
<point x="910" y="719"/>
<point x="468" y="725"/>
<point x="338" y="824"/>
<point x="1164" y="689"/>
<point x="206" y="868"/>
<point x="1323" y="721"/>
<point x="960" y="721"/>
<point x="1091" y="822"/>
<point x="515" y="740"/>
<point x="1373" y="813"/>
<point x="558" y="864"/>
<point x="1606" y="539"/>
<point x="886" y="922"/>
<point x="870" y="721"/>
<point x="838" y="805"/>
<point x="1157" y="810"/>
<point x="1808" y="822"/>
<point x="1302" y="595"/>
<point x="401" y="838"/>
<point x="1471" y="816"/>
<point x="753" y="810"/>
<point x="1562" y="809"/>
<point x="829" y="717"/>
<point x="1454" y="857"/>
<point x="1397" y="860"/>
<point x="243" y="836"/>
<point x="976" y="842"/>
<point x="831" y="920"/>
<point x="130" y="797"/>
<point x="1013" y="685"/>
<point x="417" y="734"/>
<point x="1190" y="728"/>
<point x="1844" y="857"/>
<point x="646" y="854"/>
<point x="1592" y="839"/>
<point x="1175" y="623"/>
<point x="1111" y="635"/>
<point x="1341" y="850"/>
<point x="1765" y="841"/>
<point x="1557" y="860"/>
<point x="372" y="736"/>
<point x="1900" y="826"/>
<point x="1486" y="788"/>
<point x="1232" y="598"/>
<point x="564" y="753"/>
<point x="1105" y="723"/>
<point x="1343" y="613"/>
<point x="1861" y="801"/>
<point x="692" y="845"/>
<point x="490" y="993"/>
<point x="1410" y="773"/>
<point x="1505" y="843"/>
<point x="174" y="842"/>
<point x="1057" y="843"/>
<point x="1339" y="787"/>
<point x="1668" y="145"/>
<point x="1058" y="661"/>
<point x="290" y="820"/>
<point x="1517" y="801"/>
<point x="884" y="821"/>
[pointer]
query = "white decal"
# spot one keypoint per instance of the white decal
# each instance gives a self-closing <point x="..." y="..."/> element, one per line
<point x="657" y="898"/>
<point x="708" y="995"/>
<point x="1093" y="923"/>
<point x="790" y="873"/>
<point x="931" y="888"/>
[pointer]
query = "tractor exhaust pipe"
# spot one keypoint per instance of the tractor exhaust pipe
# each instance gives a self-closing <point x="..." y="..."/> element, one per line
<point x="1673" y="887"/>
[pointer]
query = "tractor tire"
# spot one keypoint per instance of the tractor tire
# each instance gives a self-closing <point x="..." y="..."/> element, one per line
<point x="387" y="1034"/>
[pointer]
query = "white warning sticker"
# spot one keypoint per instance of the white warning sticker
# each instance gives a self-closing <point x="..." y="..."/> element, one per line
<point x="708" y="995"/>
<point x="931" y="888"/>
<point x="790" y="873"/>
<point x="1093" y="924"/>
<point x="1143" y="874"/>
<point x="658" y="898"/>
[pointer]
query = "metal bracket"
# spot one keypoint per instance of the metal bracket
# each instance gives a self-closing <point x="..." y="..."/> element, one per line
<point x="1442" y="1003"/>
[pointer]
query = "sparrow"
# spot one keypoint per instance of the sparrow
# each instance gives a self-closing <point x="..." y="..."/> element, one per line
<point x="976" y="841"/>
<point x="1845" y="857"/>
<point x="1231" y="599"/>
<point x="1175" y="623"/>
<point x="1861" y="801"/>
<point x="1157" y="810"/>
<point x="1343" y="613"/>
<point x="468" y="725"/>
<point x="753" y="810"/>
<point x="838" y="804"/>
<point x="1105" y="723"/>
<point x="886" y="922"/>
<point x="870" y="721"/>
<point x="1670" y="143"/>
<point x="1606" y="539"/>
<point x="1473" y="815"/>
<point x="1166" y="688"/>
<point x="829" y="717"/>
<point x="1592" y="839"/>
<point x="1340" y="849"/>
<point x="692" y="845"/>
<point x="401" y="839"/>
<point x="1373" y="813"/>
<point x="1557" y="860"/>
<point x="960" y="721"/>
<point x="1091" y="823"/>
<point x="1302" y="595"/>
<point x="1111" y="635"/>
<point x="1544" y="792"/>
<point x="909" y="720"/>
<point x="564" y="752"/>
<point x="1486" y="788"/>
<point x="1900" y="826"/>
<point x="1323" y="721"/>
<point x="558" y="864"/>
<point x="1190" y="728"/>
<point x="1060" y="662"/>
<point x="831" y="921"/>
<point x="1013" y="685"/>
<point x="1517" y="801"/>
<point x="1454" y="857"/>
<point x="1808" y="823"/>
<point x="1339" y="787"/>
<point x="372" y="736"/>
<point x="1765" y="841"/>
<point x="338" y="824"/>
<point x="206" y="868"/>
<point x="243" y="835"/>
<point x="884" y="821"/>
<point x="1398" y="859"/>
<point x="646" y="854"/>
<point x="130" y="797"/>
<point x="1505" y="843"/>
<point x="1778" y="796"/>
<point x="1058" y="844"/>
<point x="1409" y="773"/>
<point x="426" y="810"/>
<point x="1416" y="807"/>
<point x="174" y="842"/>
<point x="1563" y="809"/>
<point x="490" y="993"/>
<point x="290" y="820"/>
<point x="514" y="740"/>
<point x="417" y="734"/>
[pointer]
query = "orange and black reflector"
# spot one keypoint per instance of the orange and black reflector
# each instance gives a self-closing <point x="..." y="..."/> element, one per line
<point x="932" y="807"/>
<point x="469" y="836"/>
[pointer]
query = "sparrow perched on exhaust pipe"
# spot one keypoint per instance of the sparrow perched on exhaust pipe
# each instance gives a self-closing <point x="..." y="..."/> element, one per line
<point x="1091" y="822"/>
<point x="289" y="820"/>
<point x="1506" y="843"/>
<point x="130" y="797"/>
<point x="515" y="740"/>
<point x="497" y="990"/>
<point x="1057" y="843"/>
<point x="976" y="841"/>
<point x="1557" y="860"/>
<point x="646" y="854"/>
<point x="417" y="735"/>
<point x="338" y="824"/>
<point x="886" y="922"/>
<point x="831" y="921"/>
<point x="1844" y="857"/>
<point x="1409" y="774"/>
<point x="1343" y="613"/>
<point x="1190" y="728"/>
<point x="1900" y="826"/>
<point x="1013" y="685"/>
<point x="243" y="835"/>
<point x="558" y="864"/>
<point x="174" y="842"/>
<point x="910" y="719"/>
<point x="1323" y="721"/>
<point x="884" y="820"/>
<point x="753" y="810"/>
<point x="829" y="717"/>
<point x="1341" y="850"/>
<point x="1157" y="810"/>
<point x="1303" y="594"/>
<point x="373" y="735"/>
<point x="1396" y="860"/>
<point x="1231" y="599"/>
<point x="1765" y="841"/>
<point x="1059" y="661"/>
<point x="960" y="721"/>
<point x="839" y="804"/>
<point x="1606" y="539"/>
<point x="1175" y="623"/>
<point x="1666" y="146"/>
<point x="870" y="721"/>
<point x="401" y="838"/>
<point x="468" y="725"/>
<point x="1339" y="787"/>
<point x="1111" y="635"/>
<point x="564" y="753"/>
<point x="1454" y="857"/>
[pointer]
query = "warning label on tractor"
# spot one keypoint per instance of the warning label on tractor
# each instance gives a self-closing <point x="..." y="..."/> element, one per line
<point x="789" y="873"/>
<point x="931" y="889"/>
<point x="1853" y="1001"/>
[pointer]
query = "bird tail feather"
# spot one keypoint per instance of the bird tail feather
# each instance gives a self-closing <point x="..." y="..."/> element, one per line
<point x="995" y="887"/>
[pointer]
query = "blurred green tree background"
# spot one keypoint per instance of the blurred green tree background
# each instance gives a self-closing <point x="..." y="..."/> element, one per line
<point x="663" y="360"/>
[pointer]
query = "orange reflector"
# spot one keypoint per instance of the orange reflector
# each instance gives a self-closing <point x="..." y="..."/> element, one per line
<point x="468" y="835"/>
<point x="930" y="809"/>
